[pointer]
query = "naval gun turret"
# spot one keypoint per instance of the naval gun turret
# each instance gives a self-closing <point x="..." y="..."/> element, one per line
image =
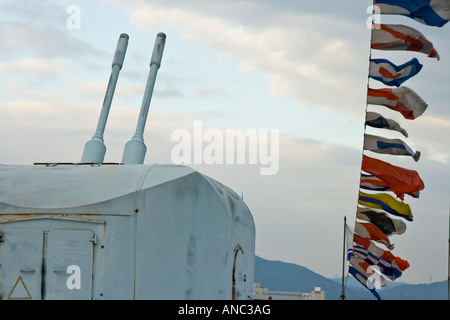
<point x="126" y="230"/>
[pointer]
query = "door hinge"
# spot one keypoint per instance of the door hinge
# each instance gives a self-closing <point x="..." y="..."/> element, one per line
<point x="93" y="239"/>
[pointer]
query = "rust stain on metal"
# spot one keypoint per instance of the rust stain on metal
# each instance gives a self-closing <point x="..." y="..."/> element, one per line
<point x="75" y="217"/>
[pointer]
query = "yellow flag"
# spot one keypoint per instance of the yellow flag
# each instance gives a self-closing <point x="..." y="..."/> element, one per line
<point x="387" y="203"/>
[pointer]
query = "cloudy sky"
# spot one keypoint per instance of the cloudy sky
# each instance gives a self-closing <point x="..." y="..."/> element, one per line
<point x="296" y="66"/>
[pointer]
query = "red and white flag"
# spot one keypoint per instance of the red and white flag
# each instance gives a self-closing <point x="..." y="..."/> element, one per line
<point x="402" y="99"/>
<point x="401" y="37"/>
<point x="372" y="232"/>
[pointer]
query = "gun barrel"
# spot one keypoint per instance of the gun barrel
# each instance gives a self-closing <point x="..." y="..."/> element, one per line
<point x="135" y="149"/>
<point x="95" y="149"/>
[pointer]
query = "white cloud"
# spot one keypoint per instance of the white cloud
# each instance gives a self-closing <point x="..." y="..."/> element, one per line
<point x="33" y="66"/>
<point x="39" y="28"/>
<point x="429" y="133"/>
<point x="195" y="26"/>
<point x="302" y="55"/>
<point x="94" y="89"/>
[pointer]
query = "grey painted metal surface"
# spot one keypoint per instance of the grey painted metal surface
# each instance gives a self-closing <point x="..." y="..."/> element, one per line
<point x="134" y="231"/>
<point x="95" y="149"/>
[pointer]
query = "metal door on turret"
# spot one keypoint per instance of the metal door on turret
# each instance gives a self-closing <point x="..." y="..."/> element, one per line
<point x="69" y="265"/>
<point x="54" y="264"/>
<point x="21" y="264"/>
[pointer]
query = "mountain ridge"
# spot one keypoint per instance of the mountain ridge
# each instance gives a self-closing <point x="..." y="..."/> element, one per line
<point x="289" y="277"/>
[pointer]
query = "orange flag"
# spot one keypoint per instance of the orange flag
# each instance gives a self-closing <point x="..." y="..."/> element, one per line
<point x="399" y="180"/>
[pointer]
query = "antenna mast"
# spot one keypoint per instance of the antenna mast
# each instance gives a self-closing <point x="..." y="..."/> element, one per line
<point x="342" y="296"/>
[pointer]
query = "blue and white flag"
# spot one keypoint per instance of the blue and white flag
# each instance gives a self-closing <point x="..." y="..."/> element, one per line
<point x="365" y="280"/>
<point x="392" y="75"/>
<point x="430" y="12"/>
<point x="389" y="146"/>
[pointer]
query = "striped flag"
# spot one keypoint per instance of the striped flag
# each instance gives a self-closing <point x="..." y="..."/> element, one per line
<point x="401" y="37"/>
<point x="387" y="225"/>
<point x="399" y="180"/>
<point x="380" y="253"/>
<point x="430" y="12"/>
<point x="389" y="146"/>
<point x="402" y="99"/>
<point x="392" y="75"/>
<point x="370" y="182"/>
<point x="387" y="203"/>
<point x="390" y="269"/>
<point x="376" y="120"/>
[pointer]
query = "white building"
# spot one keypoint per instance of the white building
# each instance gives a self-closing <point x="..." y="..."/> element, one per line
<point x="260" y="293"/>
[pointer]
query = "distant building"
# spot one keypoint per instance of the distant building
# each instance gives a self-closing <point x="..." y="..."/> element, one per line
<point x="260" y="293"/>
